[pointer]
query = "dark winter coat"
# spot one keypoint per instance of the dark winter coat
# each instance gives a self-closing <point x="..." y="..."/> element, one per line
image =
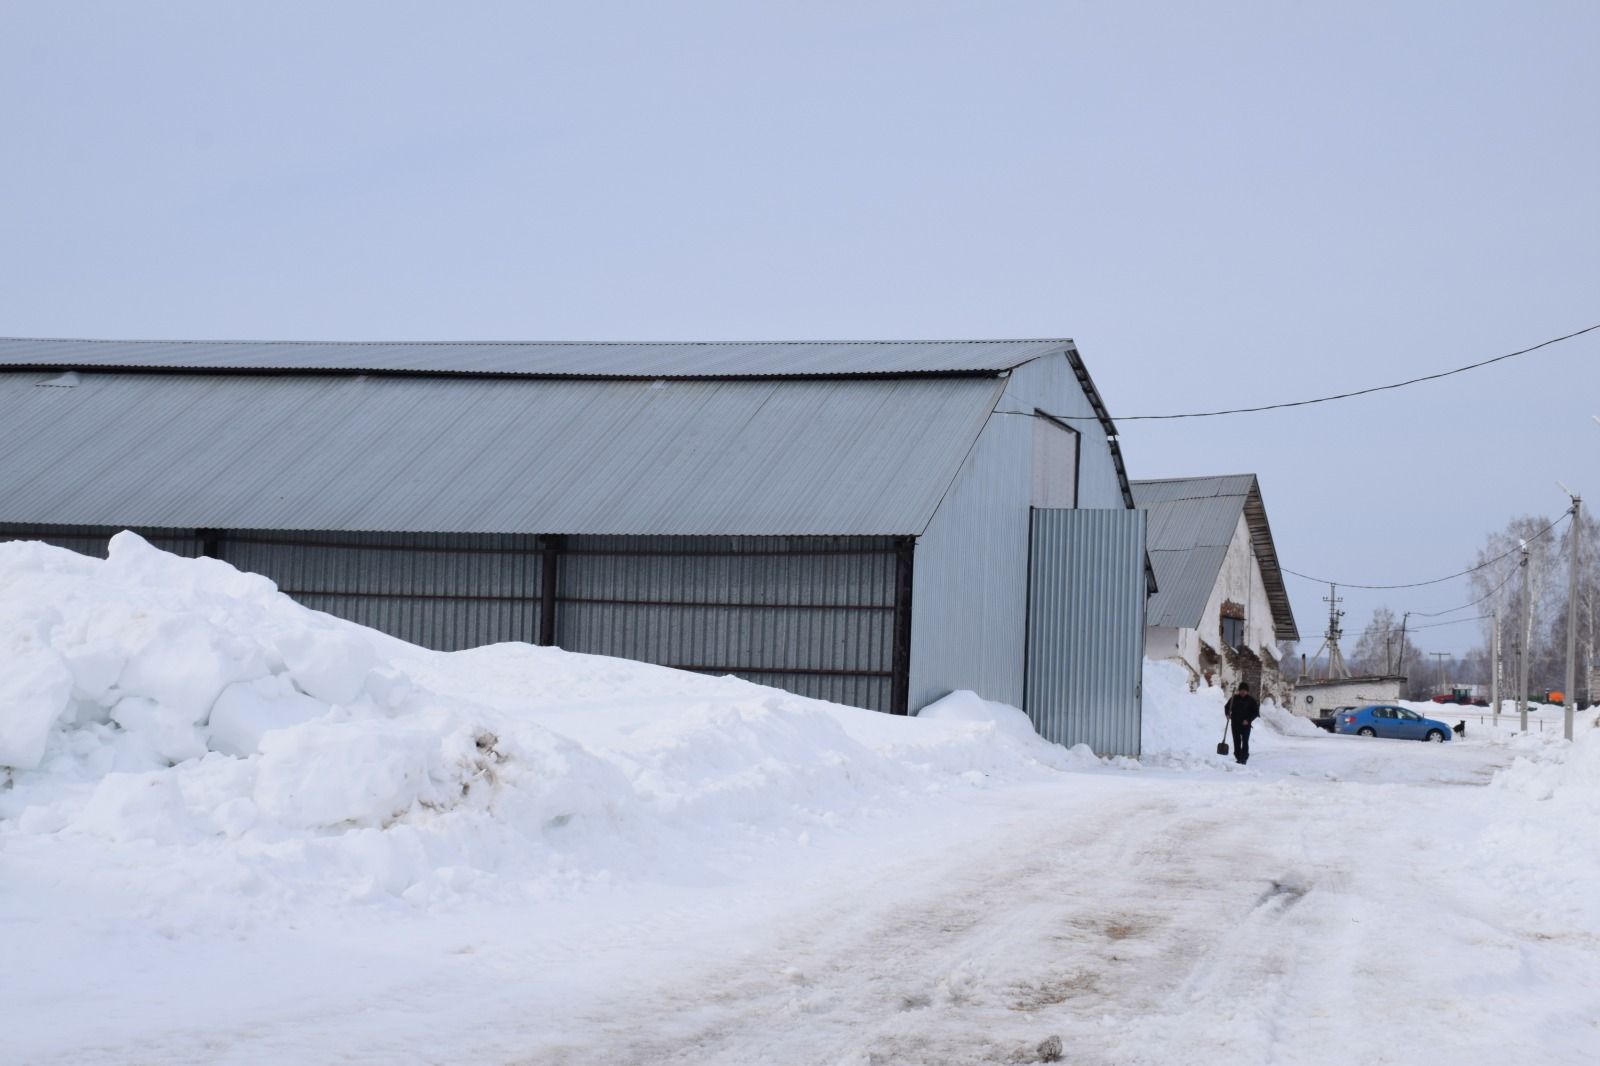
<point x="1242" y="708"/>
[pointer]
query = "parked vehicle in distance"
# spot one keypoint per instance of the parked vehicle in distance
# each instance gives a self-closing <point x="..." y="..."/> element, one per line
<point x="1396" y="723"/>
<point x="1461" y="698"/>
<point x="1329" y="720"/>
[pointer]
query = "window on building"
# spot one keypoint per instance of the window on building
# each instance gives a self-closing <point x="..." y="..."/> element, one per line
<point x="1233" y="632"/>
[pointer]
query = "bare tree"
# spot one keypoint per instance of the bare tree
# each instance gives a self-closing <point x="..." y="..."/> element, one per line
<point x="1381" y="649"/>
<point x="1524" y="616"/>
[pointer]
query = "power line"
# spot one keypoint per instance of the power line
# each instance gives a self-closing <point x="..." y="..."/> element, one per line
<point x="1434" y="581"/>
<point x="1435" y="614"/>
<point x="1453" y="622"/>
<point x="1345" y="395"/>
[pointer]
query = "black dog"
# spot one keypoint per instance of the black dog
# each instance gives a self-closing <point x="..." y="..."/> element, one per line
<point x="1460" y="728"/>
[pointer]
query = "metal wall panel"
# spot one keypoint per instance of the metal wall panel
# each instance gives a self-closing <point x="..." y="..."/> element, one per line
<point x="442" y="591"/>
<point x="1053" y="385"/>
<point x="814" y="615"/>
<point x="971" y="604"/>
<point x="969" y="608"/>
<point x="1086" y="628"/>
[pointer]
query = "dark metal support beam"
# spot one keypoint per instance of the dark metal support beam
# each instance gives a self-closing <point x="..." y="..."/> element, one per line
<point x="900" y="682"/>
<point x="550" y="548"/>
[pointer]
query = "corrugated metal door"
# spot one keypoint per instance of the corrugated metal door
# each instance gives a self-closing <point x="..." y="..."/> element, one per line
<point x="822" y="616"/>
<point x="1086" y="600"/>
<point x="446" y="591"/>
<point x="814" y="615"/>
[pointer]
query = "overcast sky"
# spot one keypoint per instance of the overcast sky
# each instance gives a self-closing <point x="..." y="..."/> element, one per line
<point x="1224" y="204"/>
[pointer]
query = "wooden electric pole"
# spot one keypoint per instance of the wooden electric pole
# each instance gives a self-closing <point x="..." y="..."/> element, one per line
<point x="1494" y="664"/>
<point x="1524" y="626"/>
<point x="1569" y="695"/>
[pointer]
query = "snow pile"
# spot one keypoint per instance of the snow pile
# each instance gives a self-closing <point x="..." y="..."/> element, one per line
<point x="1288" y="723"/>
<point x="1549" y="768"/>
<point x="1538" y="854"/>
<point x="1179" y="725"/>
<point x="1182" y="728"/>
<point x="1000" y="733"/>
<point x="238" y="740"/>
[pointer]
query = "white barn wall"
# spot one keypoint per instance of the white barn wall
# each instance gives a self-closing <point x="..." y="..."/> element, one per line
<point x="1240" y="580"/>
<point x="970" y="577"/>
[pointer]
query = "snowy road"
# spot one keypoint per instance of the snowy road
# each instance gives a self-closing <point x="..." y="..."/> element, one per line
<point x="1237" y="920"/>
<point x="1337" y="902"/>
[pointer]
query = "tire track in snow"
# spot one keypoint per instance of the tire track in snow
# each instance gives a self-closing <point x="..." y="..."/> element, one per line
<point x="1075" y="927"/>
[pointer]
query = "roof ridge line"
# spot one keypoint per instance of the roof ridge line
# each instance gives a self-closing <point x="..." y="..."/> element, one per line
<point x="531" y="344"/>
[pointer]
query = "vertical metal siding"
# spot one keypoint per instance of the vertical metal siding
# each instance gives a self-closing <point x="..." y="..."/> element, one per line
<point x="1051" y="385"/>
<point x="971" y="574"/>
<point x="814" y="615"/>
<point x="442" y="591"/>
<point x="1086" y="628"/>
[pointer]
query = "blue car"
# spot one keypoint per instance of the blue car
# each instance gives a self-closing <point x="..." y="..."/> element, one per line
<point x="1397" y="723"/>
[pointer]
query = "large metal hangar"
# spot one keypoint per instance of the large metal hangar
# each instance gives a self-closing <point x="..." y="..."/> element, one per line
<point x="876" y="523"/>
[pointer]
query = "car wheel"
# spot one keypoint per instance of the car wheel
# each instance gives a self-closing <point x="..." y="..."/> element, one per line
<point x="1435" y="736"/>
<point x="1366" y="731"/>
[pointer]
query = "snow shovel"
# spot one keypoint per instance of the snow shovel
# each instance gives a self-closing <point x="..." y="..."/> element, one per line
<point x="1222" y="745"/>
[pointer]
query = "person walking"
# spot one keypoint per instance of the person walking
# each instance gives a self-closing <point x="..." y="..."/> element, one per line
<point x="1242" y="711"/>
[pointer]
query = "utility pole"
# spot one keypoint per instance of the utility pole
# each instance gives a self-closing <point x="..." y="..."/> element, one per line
<point x="1336" y="666"/>
<point x="1522" y="655"/>
<point x="1441" y="656"/>
<point x="1400" y="667"/>
<point x="1569" y="695"/>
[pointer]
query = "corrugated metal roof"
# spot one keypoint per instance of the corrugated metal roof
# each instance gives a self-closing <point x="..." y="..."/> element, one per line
<point x="540" y="358"/>
<point x="1192" y="521"/>
<point x="1165" y="490"/>
<point x="1184" y="582"/>
<point x="463" y="455"/>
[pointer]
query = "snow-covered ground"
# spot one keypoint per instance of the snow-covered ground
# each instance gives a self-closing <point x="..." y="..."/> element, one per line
<point x="236" y="831"/>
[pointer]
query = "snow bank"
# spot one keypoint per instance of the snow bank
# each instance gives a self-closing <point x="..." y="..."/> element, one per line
<point x="1288" y="723"/>
<point x="1178" y="725"/>
<point x="1524" y="843"/>
<point x="1549" y="768"/>
<point x="192" y="712"/>
<point x="1182" y="728"/>
<point x="1000" y="734"/>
